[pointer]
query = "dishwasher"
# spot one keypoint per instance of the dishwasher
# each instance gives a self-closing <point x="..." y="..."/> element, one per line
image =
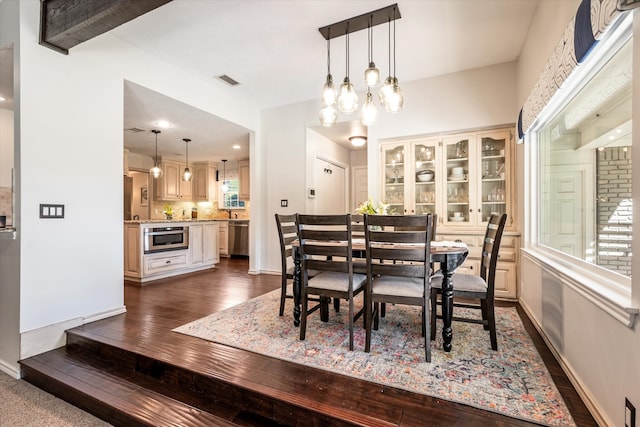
<point x="239" y="237"/>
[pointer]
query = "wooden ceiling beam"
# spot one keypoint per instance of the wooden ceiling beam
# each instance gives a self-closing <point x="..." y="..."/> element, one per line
<point x="67" y="23"/>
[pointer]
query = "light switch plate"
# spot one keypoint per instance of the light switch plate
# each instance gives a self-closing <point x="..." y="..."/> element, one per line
<point x="51" y="211"/>
<point x="284" y="203"/>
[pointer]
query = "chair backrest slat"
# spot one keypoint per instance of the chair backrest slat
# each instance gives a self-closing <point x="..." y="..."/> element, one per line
<point x="491" y="249"/>
<point x="398" y="245"/>
<point x="325" y="242"/>
<point x="287" y="233"/>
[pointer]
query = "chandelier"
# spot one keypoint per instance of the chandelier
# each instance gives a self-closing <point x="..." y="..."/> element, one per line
<point x="346" y="99"/>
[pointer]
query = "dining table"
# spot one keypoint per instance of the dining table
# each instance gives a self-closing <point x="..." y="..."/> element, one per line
<point x="449" y="255"/>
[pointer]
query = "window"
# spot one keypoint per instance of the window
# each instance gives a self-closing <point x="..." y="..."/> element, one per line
<point x="230" y="198"/>
<point x="584" y="169"/>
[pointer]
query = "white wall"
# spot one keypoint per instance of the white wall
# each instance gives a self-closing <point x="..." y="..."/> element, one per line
<point x="600" y="353"/>
<point x="70" y="143"/>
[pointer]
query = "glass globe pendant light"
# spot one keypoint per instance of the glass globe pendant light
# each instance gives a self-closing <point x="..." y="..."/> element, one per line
<point x="348" y="99"/>
<point x="371" y="74"/>
<point x="155" y="171"/>
<point x="225" y="186"/>
<point x="328" y="113"/>
<point x="369" y="110"/>
<point x="394" y="98"/>
<point x="186" y="175"/>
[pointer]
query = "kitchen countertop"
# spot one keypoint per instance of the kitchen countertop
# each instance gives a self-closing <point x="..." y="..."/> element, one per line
<point x="156" y="221"/>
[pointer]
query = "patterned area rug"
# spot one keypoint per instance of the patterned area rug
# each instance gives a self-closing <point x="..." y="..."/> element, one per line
<point x="513" y="381"/>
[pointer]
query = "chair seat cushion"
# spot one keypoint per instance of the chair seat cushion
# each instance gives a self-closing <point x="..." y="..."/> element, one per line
<point x="398" y="286"/>
<point x="462" y="282"/>
<point x="337" y="281"/>
<point x="311" y="273"/>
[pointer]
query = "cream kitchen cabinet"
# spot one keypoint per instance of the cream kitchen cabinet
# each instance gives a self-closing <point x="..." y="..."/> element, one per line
<point x="205" y="187"/>
<point x="461" y="177"/>
<point x="243" y="180"/>
<point x="203" y="244"/>
<point x="478" y="178"/>
<point x="171" y="186"/>
<point x="201" y="254"/>
<point x="223" y="238"/>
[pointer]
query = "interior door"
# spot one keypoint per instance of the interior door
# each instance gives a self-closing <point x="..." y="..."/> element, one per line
<point x="566" y="228"/>
<point x="360" y="187"/>
<point x="331" y="187"/>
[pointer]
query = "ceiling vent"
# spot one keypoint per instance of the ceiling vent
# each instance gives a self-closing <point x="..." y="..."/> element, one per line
<point x="135" y="130"/>
<point x="228" y="80"/>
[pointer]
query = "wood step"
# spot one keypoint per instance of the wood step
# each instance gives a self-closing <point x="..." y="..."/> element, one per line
<point x="108" y="396"/>
<point x="128" y="388"/>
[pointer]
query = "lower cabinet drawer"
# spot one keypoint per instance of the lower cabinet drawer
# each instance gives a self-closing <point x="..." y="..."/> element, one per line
<point x="161" y="263"/>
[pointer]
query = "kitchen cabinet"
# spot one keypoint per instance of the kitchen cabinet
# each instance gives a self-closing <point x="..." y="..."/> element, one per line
<point x="203" y="244"/>
<point x="170" y="185"/>
<point x="463" y="178"/>
<point x="205" y="186"/>
<point x="132" y="249"/>
<point x="244" y="180"/>
<point x="143" y="267"/>
<point x="223" y="238"/>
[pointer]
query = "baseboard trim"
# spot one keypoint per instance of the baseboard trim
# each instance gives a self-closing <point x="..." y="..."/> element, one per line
<point x="10" y="370"/>
<point x="584" y="394"/>
<point x="54" y="336"/>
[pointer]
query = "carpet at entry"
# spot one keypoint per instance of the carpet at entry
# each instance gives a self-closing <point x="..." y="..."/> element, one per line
<point x="512" y="381"/>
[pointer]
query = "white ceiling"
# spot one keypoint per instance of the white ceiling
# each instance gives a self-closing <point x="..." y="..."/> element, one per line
<point x="274" y="49"/>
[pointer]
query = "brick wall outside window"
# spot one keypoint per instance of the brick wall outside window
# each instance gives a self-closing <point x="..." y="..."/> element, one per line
<point x="614" y="209"/>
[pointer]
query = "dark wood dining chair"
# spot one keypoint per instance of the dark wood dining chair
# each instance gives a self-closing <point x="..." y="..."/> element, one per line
<point x="398" y="268"/>
<point x="326" y="247"/>
<point x="477" y="291"/>
<point x="287" y="233"/>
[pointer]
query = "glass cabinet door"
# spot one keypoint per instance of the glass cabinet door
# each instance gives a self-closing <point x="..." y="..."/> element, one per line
<point x="426" y="159"/>
<point x="457" y="152"/>
<point x="493" y="191"/>
<point x="393" y="157"/>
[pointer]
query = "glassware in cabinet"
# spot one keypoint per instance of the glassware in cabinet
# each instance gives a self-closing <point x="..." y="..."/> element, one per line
<point x="394" y="174"/>
<point x="457" y="179"/>
<point x="493" y="188"/>
<point x="425" y="156"/>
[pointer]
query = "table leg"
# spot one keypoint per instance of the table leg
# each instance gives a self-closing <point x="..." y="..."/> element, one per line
<point x="447" y="306"/>
<point x="297" y="284"/>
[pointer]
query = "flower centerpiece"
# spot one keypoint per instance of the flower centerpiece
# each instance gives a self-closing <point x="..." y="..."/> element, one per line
<point x="370" y="208"/>
<point x="167" y="210"/>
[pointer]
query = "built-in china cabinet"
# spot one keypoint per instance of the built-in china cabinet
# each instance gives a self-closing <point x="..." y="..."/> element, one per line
<point x="463" y="178"/>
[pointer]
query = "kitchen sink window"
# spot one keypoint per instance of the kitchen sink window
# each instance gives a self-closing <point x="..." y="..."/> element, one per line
<point x="230" y="199"/>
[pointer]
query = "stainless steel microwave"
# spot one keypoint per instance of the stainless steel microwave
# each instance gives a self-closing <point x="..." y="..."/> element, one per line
<point x="160" y="239"/>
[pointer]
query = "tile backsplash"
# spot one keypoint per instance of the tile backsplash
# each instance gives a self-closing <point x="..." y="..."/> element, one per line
<point x="6" y="204"/>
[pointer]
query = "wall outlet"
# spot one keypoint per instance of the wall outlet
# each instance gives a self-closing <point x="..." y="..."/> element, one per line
<point x="629" y="414"/>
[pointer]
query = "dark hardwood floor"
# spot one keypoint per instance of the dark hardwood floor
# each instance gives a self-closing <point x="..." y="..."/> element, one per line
<point x="136" y="364"/>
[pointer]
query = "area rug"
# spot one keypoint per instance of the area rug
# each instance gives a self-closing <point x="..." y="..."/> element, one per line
<point x="513" y="381"/>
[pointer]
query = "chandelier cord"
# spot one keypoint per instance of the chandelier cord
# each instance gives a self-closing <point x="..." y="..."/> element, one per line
<point x="329" y="52"/>
<point x="389" y="46"/>
<point x="394" y="42"/>
<point x="347" y="50"/>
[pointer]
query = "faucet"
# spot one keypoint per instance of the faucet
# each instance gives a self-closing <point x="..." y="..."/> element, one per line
<point x="236" y="215"/>
<point x="229" y="211"/>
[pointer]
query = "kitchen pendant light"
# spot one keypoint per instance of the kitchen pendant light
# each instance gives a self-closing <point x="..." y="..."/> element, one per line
<point x="371" y="74"/>
<point x="155" y="171"/>
<point x="387" y="87"/>
<point x="225" y="186"/>
<point x="186" y="175"/>
<point x="348" y="99"/>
